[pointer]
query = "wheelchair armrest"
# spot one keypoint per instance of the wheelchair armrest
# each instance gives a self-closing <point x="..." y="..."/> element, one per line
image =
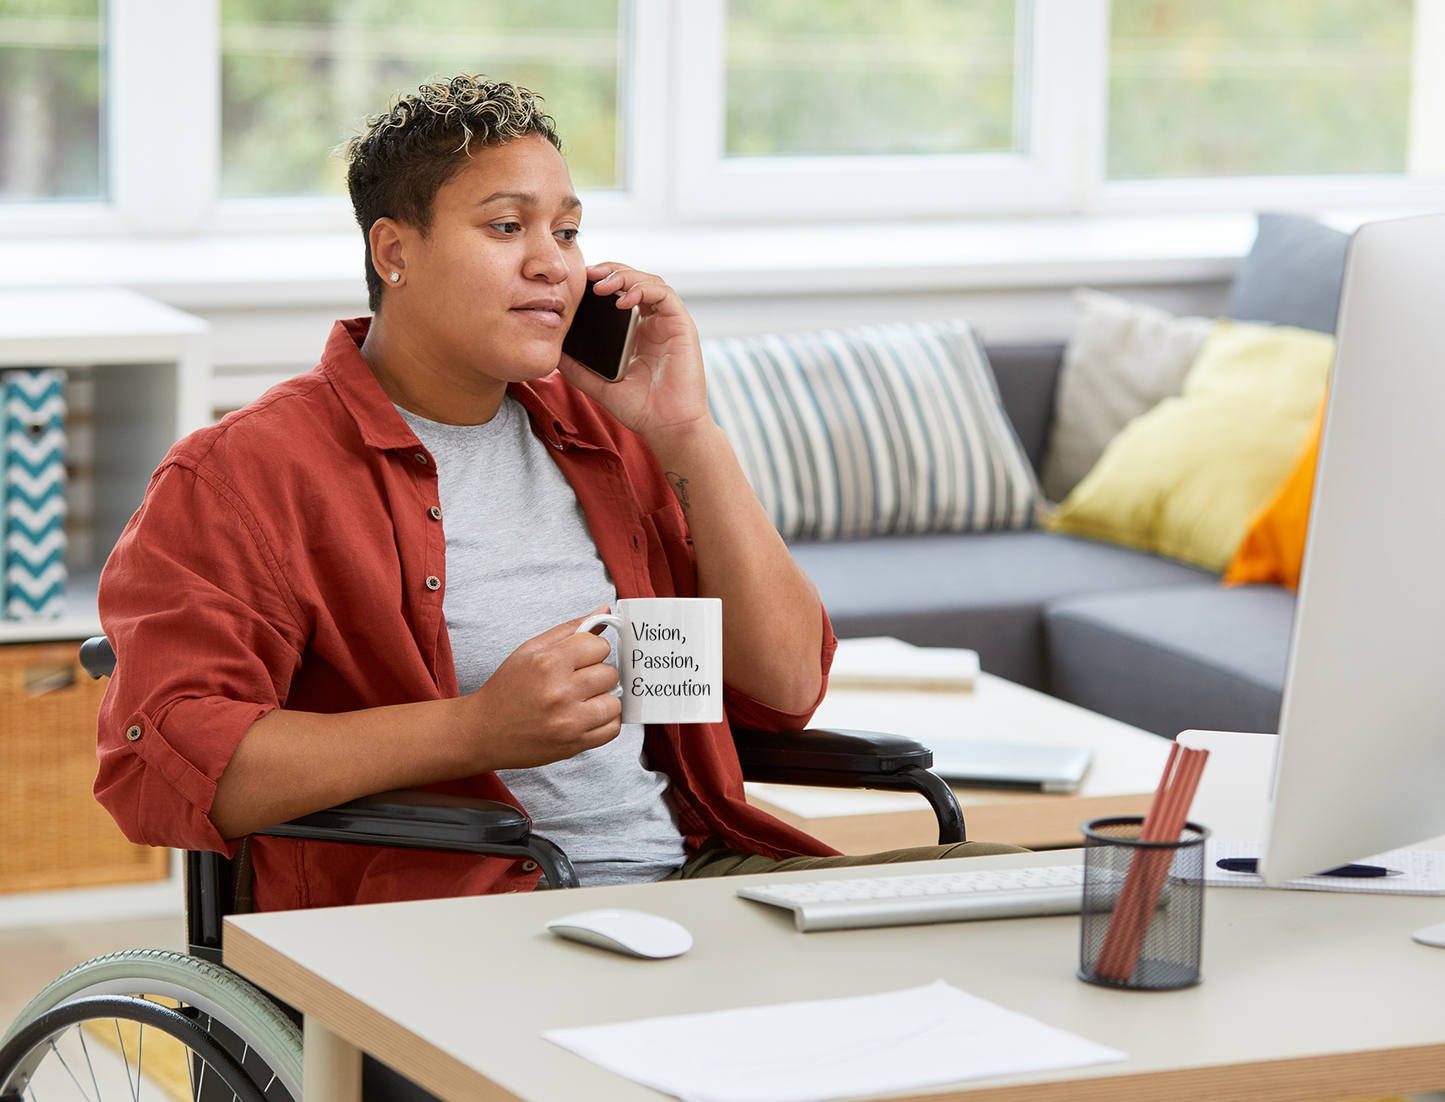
<point x="407" y="819"/>
<point x="98" y="657"/>
<point x="404" y="819"/>
<point x="836" y="753"/>
<point x="850" y="759"/>
<point x="412" y="820"/>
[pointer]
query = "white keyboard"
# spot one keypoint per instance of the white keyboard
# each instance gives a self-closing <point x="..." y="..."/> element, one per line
<point x="927" y="897"/>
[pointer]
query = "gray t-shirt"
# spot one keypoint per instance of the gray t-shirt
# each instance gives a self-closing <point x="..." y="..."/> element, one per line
<point x="520" y="560"/>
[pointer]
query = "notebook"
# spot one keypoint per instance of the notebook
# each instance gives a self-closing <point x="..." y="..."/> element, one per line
<point x="1414" y="872"/>
<point x="884" y="663"/>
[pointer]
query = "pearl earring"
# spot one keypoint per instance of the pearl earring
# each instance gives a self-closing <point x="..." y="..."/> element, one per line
<point x="395" y="276"/>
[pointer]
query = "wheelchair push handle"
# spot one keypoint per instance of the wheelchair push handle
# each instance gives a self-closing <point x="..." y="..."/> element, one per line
<point x="98" y="657"/>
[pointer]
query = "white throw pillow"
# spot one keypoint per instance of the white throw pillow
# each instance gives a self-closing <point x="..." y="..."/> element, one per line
<point x="1123" y="359"/>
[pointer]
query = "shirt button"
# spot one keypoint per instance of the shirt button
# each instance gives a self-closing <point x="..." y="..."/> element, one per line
<point x="420" y="457"/>
<point x="132" y="733"/>
<point x="433" y="583"/>
<point x="529" y="866"/>
<point x="436" y="514"/>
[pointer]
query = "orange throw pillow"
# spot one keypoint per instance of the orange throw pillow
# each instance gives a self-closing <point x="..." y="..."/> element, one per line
<point x="1274" y="547"/>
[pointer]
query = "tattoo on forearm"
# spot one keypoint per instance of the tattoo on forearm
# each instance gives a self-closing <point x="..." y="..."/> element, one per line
<point x="679" y="487"/>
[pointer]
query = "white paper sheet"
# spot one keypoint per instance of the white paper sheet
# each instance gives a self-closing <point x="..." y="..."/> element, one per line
<point x="828" y="1049"/>
<point x="1233" y="795"/>
<point x="1421" y="872"/>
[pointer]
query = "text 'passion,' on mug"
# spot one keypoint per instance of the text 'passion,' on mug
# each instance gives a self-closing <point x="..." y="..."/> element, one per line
<point x="669" y="658"/>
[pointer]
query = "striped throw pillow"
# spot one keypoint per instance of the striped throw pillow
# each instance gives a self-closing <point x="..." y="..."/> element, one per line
<point x="874" y="431"/>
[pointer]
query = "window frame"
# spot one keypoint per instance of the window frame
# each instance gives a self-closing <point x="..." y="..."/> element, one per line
<point x="1057" y="109"/>
<point x="163" y="180"/>
<point x="1421" y="186"/>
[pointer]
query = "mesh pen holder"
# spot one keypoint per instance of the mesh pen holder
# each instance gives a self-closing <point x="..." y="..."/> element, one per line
<point x="1151" y="896"/>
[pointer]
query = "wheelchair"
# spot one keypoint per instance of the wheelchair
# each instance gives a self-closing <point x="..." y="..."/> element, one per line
<point x="156" y="1023"/>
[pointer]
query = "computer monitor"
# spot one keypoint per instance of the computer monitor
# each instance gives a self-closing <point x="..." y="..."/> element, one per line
<point x="1361" y="757"/>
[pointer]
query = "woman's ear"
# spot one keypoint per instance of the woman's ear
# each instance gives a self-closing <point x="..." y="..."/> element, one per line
<point x="388" y="251"/>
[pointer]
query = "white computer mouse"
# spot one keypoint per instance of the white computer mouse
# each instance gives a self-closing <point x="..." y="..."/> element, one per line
<point x="1432" y="935"/>
<point x="635" y="933"/>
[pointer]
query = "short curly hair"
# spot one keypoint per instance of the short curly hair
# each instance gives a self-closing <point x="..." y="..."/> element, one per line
<point x="399" y="161"/>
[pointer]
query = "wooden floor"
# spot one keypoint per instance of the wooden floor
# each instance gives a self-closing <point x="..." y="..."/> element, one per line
<point x="31" y="958"/>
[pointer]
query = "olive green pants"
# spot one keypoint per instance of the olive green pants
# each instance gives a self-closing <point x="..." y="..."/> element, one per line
<point x="715" y="859"/>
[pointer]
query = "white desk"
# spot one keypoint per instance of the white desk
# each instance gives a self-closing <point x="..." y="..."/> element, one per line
<point x="1307" y="996"/>
<point x="1127" y="766"/>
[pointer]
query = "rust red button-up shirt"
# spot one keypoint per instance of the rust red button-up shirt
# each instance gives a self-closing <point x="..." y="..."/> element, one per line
<point x="288" y="558"/>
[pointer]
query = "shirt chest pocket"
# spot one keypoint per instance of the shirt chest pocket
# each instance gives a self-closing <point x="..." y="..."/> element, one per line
<point x="671" y="562"/>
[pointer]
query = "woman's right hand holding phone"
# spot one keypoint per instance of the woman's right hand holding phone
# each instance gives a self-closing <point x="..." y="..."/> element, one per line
<point x="663" y="393"/>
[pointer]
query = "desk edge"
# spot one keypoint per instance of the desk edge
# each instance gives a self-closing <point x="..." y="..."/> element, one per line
<point x="355" y="1021"/>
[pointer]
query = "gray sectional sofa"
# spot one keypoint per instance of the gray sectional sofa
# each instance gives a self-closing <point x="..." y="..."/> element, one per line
<point x="1147" y="640"/>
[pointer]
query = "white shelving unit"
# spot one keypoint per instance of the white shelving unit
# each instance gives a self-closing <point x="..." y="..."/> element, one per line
<point x="152" y="386"/>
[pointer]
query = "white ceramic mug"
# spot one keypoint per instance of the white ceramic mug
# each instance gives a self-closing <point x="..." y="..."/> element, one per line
<point x="669" y="658"/>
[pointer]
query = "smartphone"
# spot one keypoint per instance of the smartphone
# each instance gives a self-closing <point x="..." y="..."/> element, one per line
<point x="601" y="335"/>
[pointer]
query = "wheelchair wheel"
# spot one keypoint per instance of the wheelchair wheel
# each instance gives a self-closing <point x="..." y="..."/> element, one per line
<point x="66" y="1053"/>
<point x="238" y="1017"/>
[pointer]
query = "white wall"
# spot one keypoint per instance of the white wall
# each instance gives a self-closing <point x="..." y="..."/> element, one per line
<point x="271" y="298"/>
<point x="255" y="347"/>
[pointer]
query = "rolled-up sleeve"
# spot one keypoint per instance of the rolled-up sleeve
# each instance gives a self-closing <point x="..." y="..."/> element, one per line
<point x="208" y="638"/>
<point x="748" y="714"/>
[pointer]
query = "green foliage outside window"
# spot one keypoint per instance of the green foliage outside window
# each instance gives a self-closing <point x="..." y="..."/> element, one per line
<point x="51" y="98"/>
<point x="861" y="77"/>
<point x="1229" y="87"/>
<point x="1243" y="88"/>
<point x="299" y="75"/>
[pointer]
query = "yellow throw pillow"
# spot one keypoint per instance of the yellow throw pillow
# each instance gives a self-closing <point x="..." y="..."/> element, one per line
<point x="1186" y="478"/>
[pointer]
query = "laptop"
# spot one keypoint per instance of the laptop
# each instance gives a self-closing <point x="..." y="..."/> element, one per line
<point x="1025" y="767"/>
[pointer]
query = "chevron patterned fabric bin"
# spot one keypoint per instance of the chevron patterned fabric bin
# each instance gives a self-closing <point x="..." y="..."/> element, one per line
<point x="34" y="513"/>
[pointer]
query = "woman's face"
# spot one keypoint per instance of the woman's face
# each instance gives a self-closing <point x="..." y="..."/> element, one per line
<point x="488" y="292"/>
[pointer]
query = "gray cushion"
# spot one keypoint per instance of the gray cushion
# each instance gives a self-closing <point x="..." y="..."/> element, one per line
<point x="984" y="590"/>
<point x="1292" y="275"/>
<point x="1027" y="376"/>
<point x="1174" y="659"/>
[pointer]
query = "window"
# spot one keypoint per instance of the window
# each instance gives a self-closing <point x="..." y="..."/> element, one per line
<point x="51" y="99"/>
<point x="297" y="76"/>
<point x="1239" y="88"/>
<point x="916" y="76"/>
<point x="840" y="108"/>
<point x="728" y="111"/>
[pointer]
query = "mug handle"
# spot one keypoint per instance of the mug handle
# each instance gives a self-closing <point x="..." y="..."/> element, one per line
<point x="593" y="622"/>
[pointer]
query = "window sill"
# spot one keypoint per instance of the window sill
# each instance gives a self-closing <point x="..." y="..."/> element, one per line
<point x="702" y="261"/>
<point x="901" y="257"/>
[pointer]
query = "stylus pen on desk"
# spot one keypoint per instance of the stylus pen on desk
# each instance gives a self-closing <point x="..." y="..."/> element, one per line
<point x="1250" y="864"/>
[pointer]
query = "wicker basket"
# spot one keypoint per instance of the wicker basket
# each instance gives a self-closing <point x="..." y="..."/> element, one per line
<point x="52" y="832"/>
